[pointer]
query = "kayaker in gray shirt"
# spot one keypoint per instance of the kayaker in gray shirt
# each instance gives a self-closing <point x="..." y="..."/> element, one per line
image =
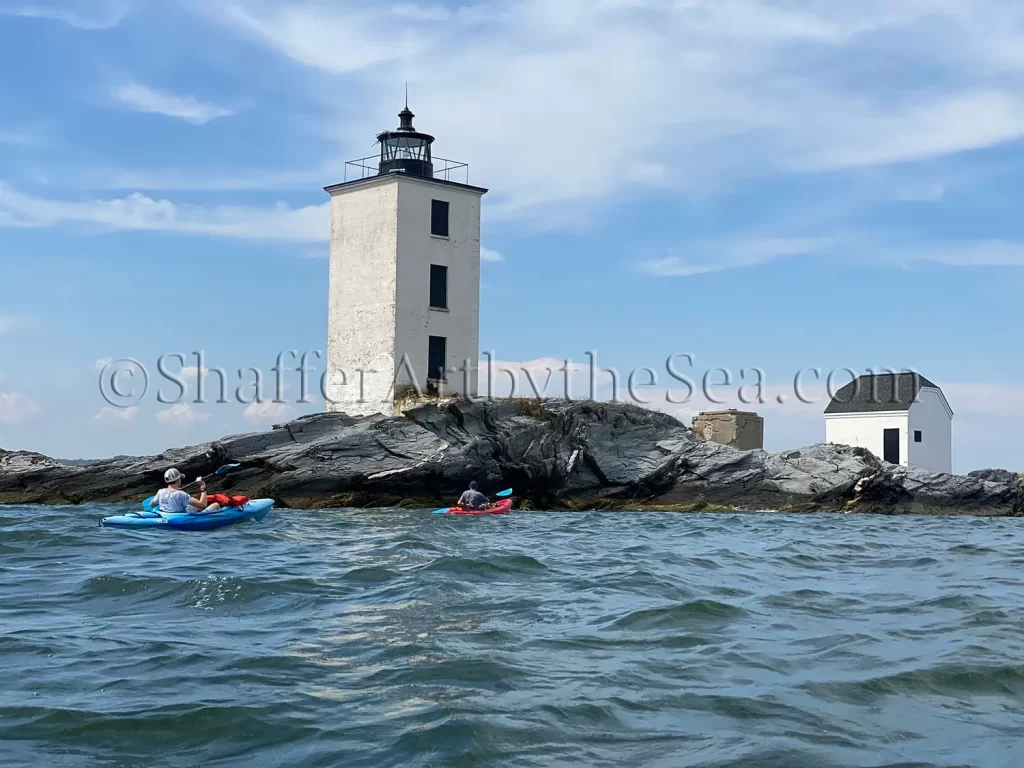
<point x="473" y="499"/>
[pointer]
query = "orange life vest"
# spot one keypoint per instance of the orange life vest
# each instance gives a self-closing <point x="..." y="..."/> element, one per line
<point x="226" y="501"/>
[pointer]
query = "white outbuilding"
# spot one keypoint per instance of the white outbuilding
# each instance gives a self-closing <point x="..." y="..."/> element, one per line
<point x="902" y="418"/>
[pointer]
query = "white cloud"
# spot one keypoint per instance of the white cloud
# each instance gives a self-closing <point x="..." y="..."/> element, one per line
<point x="139" y="212"/>
<point x="142" y="98"/>
<point x="562" y="106"/>
<point x="732" y="254"/>
<point x="987" y="253"/>
<point x="117" y="414"/>
<point x="227" y="180"/>
<point x="541" y="377"/>
<point x="267" y="412"/>
<point x="101" y="14"/>
<point x="16" y="408"/>
<point x="736" y="253"/>
<point x="310" y="224"/>
<point x="949" y="124"/>
<point x="999" y="400"/>
<point x="537" y="364"/>
<point x="421" y="12"/>
<point x="9" y="323"/>
<point x="192" y="373"/>
<point x="181" y="414"/>
<point x="310" y="32"/>
<point x="573" y="102"/>
<point x="16" y="138"/>
<point x="189" y="378"/>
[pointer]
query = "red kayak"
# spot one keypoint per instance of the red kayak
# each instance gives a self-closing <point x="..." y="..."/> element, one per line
<point x="497" y="508"/>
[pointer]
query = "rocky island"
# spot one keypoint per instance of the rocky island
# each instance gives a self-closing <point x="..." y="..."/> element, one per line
<point x="556" y="454"/>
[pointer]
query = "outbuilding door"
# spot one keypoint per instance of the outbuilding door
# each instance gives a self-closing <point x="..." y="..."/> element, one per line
<point x="891" y="446"/>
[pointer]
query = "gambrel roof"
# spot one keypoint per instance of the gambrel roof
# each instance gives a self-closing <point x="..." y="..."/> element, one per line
<point x="882" y="392"/>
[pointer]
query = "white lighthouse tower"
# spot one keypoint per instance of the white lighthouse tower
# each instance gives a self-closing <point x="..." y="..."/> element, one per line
<point x="404" y="277"/>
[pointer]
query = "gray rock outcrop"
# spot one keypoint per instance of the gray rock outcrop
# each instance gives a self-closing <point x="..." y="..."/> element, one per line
<point x="555" y="454"/>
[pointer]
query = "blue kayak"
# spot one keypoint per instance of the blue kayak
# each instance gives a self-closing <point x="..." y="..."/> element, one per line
<point x="255" y="510"/>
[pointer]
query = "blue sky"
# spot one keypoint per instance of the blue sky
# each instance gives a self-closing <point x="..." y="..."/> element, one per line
<point x="783" y="185"/>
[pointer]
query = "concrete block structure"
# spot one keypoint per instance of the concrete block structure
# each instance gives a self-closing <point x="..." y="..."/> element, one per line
<point x="739" y="429"/>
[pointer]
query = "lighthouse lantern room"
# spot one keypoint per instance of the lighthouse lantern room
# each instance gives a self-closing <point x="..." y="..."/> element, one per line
<point x="406" y="149"/>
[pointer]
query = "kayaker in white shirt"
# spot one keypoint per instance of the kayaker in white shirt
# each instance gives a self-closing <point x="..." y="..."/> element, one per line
<point x="173" y="500"/>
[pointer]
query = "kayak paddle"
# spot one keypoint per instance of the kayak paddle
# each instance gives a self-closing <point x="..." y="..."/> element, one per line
<point x="222" y="471"/>
<point x="147" y="504"/>
<point x="503" y="494"/>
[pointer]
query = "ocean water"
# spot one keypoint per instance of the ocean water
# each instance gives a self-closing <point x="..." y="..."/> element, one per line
<point x="397" y="638"/>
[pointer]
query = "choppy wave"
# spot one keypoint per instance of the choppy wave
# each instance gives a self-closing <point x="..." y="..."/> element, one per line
<point x="392" y="638"/>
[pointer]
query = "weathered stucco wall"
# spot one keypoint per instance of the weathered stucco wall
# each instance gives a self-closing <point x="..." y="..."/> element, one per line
<point x="363" y="284"/>
<point x="460" y="252"/>
<point x="740" y="429"/>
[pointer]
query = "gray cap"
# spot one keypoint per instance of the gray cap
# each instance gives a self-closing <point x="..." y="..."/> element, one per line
<point x="172" y="475"/>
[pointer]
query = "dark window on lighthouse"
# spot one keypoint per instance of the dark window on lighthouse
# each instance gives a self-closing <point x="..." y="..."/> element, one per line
<point x="436" y="356"/>
<point x="439" y="218"/>
<point x="438" y="286"/>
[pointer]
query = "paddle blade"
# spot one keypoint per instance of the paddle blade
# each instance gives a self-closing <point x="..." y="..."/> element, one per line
<point x="227" y="468"/>
<point x="504" y="493"/>
<point x="147" y="504"/>
<point x="441" y="511"/>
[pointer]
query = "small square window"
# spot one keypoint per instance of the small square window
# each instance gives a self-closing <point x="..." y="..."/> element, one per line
<point x="438" y="286"/>
<point x="917" y="435"/>
<point x="439" y="217"/>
